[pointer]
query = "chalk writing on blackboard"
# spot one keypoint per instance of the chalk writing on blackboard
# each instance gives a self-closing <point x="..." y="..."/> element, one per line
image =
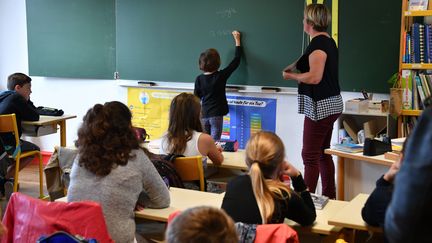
<point x="218" y="33"/>
<point x="226" y="13"/>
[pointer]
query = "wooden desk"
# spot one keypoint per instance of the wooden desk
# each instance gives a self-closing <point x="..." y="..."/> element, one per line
<point x="321" y="225"/>
<point x="379" y="159"/>
<point x="350" y="215"/>
<point x="52" y="121"/>
<point x="232" y="160"/>
<point x="181" y="199"/>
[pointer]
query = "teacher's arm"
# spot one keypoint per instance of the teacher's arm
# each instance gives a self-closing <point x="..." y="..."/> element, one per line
<point x="317" y="60"/>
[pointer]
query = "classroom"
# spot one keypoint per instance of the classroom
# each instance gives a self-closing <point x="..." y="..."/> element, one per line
<point x="368" y="42"/>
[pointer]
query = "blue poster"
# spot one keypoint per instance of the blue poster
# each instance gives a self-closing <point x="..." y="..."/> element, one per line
<point x="246" y="116"/>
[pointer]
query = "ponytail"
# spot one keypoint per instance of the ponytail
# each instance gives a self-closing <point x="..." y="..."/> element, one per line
<point x="264" y="154"/>
<point x="262" y="193"/>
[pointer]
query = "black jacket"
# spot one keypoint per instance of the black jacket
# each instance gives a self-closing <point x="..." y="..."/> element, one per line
<point x="13" y="102"/>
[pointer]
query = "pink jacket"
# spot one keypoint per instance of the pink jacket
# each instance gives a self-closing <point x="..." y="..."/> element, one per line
<point x="27" y="219"/>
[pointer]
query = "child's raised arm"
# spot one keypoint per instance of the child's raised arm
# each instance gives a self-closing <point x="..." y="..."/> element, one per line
<point x="236" y="35"/>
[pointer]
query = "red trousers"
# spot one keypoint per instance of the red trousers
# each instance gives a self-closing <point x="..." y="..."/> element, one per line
<point x="316" y="138"/>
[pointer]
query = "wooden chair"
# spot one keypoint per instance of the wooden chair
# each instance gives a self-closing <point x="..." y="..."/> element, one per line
<point x="190" y="169"/>
<point x="8" y="124"/>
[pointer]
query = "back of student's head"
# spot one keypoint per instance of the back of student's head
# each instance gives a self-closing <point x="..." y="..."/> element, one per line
<point x="202" y="224"/>
<point x="265" y="154"/>
<point x="106" y="138"/>
<point x="317" y="15"/>
<point x="209" y="60"/>
<point x="184" y="118"/>
<point x="17" y="79"/>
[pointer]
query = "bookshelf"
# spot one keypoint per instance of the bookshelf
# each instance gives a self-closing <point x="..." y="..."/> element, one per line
<point x="415" y="58"/>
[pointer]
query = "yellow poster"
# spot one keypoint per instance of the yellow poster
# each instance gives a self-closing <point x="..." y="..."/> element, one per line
<point x="150" y="109"/>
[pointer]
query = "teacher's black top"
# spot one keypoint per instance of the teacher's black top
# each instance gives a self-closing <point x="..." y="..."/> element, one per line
<point x="318" y="101"/>
<point x="210" y="88"/>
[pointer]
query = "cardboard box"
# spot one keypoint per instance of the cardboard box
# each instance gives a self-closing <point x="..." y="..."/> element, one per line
<point x="357" y="106"/>
<point x="378" y="106"/>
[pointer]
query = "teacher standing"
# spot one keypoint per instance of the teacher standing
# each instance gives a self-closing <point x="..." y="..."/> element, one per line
<point x="319" y="99"/>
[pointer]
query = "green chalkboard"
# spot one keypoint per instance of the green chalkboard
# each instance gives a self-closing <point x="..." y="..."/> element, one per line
<point x="162" y="39"/>
<point x="369" y="33"/>
<point x="71" y="38"/>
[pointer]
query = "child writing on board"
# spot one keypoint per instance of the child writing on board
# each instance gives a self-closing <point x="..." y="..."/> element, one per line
<point x="210" y="87"/>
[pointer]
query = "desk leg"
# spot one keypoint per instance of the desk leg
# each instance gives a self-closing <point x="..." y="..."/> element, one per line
<point x="63" y="133"/>
<point x="340" y="178"/>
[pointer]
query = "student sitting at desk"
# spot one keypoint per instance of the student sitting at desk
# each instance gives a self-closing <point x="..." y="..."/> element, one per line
<point x="185" y="133"/>
<point x="112" y="169"/>
<point x="261" y="197"/>
<point x="17" y="100"/>
<point x="375" y="207"/>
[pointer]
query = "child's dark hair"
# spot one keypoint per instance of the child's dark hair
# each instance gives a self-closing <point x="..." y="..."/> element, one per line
<point x="17" y="79"/>
<point x="209" y="60"/>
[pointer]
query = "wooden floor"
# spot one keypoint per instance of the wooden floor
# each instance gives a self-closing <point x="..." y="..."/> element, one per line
<point x="28" y="183"/>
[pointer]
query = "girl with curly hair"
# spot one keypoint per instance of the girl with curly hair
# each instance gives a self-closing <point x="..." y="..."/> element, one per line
<point x="111" y="169"/>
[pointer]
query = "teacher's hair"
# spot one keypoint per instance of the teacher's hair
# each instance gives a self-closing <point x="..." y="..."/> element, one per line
<point x="265" y="154"/>
<point x="318" y="15"/>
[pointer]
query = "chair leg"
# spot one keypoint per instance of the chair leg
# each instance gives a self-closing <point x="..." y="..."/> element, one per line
<point x="17" y="166"/>
<point x="41" y="192"/>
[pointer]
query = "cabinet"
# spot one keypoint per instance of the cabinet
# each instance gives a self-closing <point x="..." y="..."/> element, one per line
<point x="415" y="65"/>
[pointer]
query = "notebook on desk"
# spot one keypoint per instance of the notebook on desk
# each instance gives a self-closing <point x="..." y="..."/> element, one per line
<point x="319" y="201"/>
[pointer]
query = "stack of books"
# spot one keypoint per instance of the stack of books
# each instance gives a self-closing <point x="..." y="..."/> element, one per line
<point x="319" y="200"/>
<point x="349" y="147"/>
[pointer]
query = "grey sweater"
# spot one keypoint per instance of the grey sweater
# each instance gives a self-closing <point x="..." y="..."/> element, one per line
<point x="118" y="193"/>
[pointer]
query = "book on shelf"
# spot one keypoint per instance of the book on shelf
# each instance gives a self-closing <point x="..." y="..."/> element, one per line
<point x="406" y="85"/>
<point x="319" y="200"/>
<point x="417" y="5"/>
<point x="420" y="89"/>
<point x="348" y="147"/>
<point x="425" y="85"/>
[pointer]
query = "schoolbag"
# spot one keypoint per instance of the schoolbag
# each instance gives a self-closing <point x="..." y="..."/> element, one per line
<point x="164" y="165"/>
<point x="64" y="237"/>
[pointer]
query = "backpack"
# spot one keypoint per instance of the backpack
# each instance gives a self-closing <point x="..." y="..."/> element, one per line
<point x="63" y="237"/>
<point x="47" y="111"/>
<point x="164" y="165"/>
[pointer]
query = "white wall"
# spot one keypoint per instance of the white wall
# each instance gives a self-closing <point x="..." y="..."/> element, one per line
<point x="75" y="96"/>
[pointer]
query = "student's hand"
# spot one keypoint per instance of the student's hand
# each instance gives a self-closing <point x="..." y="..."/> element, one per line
<point x="139" y="207"/>
<point x="219" y="148"/>
<point x="289" y="169"/>
<point x="236" y="36"/>
<point x="391" y="173"/>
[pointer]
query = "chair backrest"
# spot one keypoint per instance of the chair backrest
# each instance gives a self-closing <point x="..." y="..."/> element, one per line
<point x="269" y="233"/>
<point x="28" y="218"/>
<point x="190" y="169"/>
<point x="8" y="124"/>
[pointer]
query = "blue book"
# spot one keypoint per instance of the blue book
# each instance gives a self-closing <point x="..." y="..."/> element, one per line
<point x="426" y="44"/>
<point x="349" y="147"/>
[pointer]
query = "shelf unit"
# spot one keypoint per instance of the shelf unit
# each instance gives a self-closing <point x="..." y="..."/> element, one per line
<point x="407" y="18"/>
